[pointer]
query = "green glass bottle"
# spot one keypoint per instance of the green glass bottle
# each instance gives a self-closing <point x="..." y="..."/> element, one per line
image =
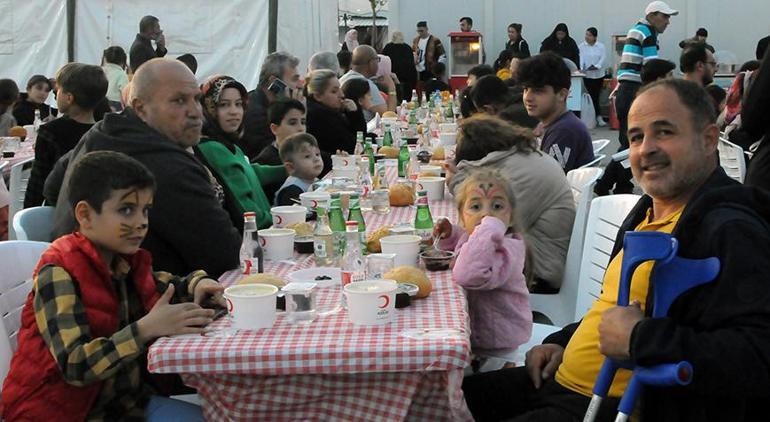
<point x="403" y="160"/>
<point x="356" y="215"/>
<point x="413" y="123"/>
<point x="369" y="152"/>
<point x="449" y="113"/>
<point x="423" y="221"/>
<point x="337" y="223"/>
<point x="387" y="137"/>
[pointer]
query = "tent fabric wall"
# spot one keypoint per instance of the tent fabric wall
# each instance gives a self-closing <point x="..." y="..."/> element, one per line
<point x="225" y="37"/>
<point x="733" y="28"/>
<point x="306" y="27"/>
<point x="33" y="38"/>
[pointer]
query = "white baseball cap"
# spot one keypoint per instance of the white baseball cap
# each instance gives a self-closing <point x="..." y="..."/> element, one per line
<point x="660" y="6"/>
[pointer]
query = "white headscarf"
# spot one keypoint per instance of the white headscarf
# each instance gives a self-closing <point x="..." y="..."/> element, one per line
<point x="351" y="39"/>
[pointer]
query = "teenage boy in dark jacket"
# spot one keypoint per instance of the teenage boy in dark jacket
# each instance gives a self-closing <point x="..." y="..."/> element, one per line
<point x="722" y="328"/>
<point x="189" y="229"/>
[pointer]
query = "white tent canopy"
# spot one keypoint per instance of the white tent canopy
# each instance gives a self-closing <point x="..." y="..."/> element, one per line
<point x="228" y="37"/>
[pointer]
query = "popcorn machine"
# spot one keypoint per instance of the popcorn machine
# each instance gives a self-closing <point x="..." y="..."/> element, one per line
<point x="465" y="51"/>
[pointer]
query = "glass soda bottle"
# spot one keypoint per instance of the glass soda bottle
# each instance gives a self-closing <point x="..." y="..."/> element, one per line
<point x="353" y="268"/>
<point x="251" y="255"/>
<point x="359" y="149"/>
<point x="387" y="137"/>
<point x="367" y="185"/>
<point x="403" y="160"/>
<point x="356" y="215"/>
<point x="323" y="240"/>
<point x="38" y="121"/>
<point x="337" y="224"/>
<point x="423" y="221"/>
<point x="369" y="153"/>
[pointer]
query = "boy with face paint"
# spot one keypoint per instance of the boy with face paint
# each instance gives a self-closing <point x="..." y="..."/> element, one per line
<point x="490" y="263"/>
<point x="96" y="304"/>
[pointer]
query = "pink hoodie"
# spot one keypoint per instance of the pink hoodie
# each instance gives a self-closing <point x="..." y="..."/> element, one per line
<point x="490" y="266"/>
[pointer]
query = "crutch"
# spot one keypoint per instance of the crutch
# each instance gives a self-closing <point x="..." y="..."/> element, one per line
<point x="671" y="276"/>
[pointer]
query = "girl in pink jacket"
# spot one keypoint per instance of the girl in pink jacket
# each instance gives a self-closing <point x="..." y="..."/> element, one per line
<point x="490" y="261"/>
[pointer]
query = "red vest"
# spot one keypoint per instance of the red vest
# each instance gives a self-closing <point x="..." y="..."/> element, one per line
<point x="35" y="388"/>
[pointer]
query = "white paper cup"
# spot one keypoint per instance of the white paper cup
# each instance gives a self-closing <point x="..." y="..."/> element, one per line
<point x="447" y="127"/>
<point x="277" y="244"/>
<point x="349" y="172"/>
<point x="428" y="170"/>
<point x="343" y="161"/>
<point x="433" y="185"/>
<point x="312" y="200"/>
<point x="371" y="302"/>
<point x="287" y="215"/>
<point x="31" y="132"/>
<point x="252" y="306"/>
<point x="406" y="248"/>
<point x="447" y="138"/>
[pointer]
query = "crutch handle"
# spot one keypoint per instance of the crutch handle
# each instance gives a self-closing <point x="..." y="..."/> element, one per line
<point x="667" y="374"/>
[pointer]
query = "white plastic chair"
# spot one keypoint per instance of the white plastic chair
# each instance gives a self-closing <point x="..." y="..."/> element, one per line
<point x="600" y="144"/>
<point x="606" y="215"/>
<point x="593" y="162"/>
<point x="34" y="223"/>
<point x="604" y="219"/>
<point x="731" y="159"/>
<point x="18" y="259"/>
<point x="559" y="308"/>
<point x="20" y="173"/>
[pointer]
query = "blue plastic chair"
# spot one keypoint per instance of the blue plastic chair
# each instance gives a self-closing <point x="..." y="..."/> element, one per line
<point x="35" y="223"/>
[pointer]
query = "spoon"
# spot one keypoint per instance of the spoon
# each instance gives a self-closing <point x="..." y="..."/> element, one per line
<point x="435" y="243"/>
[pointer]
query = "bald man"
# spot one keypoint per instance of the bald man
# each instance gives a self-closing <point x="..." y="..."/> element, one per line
<point x="364" y="66"/>
<point x="189" y="228"/>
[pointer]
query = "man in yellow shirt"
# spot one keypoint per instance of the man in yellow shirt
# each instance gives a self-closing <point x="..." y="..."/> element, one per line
<point x="722" y="328"/>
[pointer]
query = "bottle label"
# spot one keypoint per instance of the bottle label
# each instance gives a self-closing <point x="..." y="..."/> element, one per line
<point x="320" y="248"/>
<point x="422" y="200"/>
<point x="424" y="234"/>
<point x="247" y="267"/>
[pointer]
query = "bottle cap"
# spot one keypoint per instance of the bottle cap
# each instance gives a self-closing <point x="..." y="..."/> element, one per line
<point x="352" y="224"/>
<point x="249" y="214"/>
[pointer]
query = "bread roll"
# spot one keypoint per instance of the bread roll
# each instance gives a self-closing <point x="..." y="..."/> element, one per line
<point x="438" y="153"/>
<point x="373" y="239"/>
<point x="263" y="278"/>
<point x="407" y="274"/>
<point x="388" y="152"/>
<point x="401" y="195"/>
<point x="18" y="131"/>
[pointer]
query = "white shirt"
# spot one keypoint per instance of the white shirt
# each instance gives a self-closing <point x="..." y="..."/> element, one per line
<point x="422" y="45"/>
<point x="592" y="55"/>
<point x="116" y="81"/>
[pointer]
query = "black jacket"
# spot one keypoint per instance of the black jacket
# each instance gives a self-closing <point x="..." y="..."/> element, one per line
<point x="332" y="129"/>
<point x="722" y="328"/>
<point x="566" y="48"/>
<point x="141" y="51"/>
<point x="189" y="229"/>
<point x="256" y="128"/>
<point x="755" y="124"/>
<point x="519" y="46"/>
<point x="24" y="110"/>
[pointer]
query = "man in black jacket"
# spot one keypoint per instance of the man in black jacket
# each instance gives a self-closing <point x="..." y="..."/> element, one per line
<point x="278" y="78"/>
<point x="141" y="50"/>
<point x="722" y="328"/>
<point x="189" y="229"/>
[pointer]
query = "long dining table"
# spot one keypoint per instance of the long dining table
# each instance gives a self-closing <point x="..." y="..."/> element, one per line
<point x="411" y="369"/>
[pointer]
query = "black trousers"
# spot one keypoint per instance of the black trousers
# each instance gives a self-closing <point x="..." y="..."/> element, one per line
<point x="508" y="394"/>
<point x="594" y="88"/>
<point x="614" y="174"/>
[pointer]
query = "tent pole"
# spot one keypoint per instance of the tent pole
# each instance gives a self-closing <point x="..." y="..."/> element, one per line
<point x="71" y="30"/>
<point x="272" y="26"/>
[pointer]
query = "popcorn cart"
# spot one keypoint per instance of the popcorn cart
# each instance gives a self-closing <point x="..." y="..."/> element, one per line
<point x="465" y="51"/>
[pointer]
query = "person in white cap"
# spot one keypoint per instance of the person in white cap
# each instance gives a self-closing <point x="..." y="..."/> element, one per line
<point x="641" y="46"/>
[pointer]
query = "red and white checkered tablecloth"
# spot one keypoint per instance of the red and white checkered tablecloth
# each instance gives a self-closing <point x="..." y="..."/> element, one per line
<point x="332" y="369"/>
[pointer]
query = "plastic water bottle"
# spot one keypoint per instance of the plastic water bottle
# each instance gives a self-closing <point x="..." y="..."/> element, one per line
<point x="38" y="121"/>
<point x="323" y="241"/>
<point x="251" y="254"/>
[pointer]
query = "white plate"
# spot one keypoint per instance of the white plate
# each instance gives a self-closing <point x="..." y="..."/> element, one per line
<point x="310" y="274"/>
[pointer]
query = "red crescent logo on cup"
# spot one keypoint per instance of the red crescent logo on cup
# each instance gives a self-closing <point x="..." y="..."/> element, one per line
<point x="277" y="220"/>
<point x="262" y="241"/>
<point x="387" y="301"/>
<point x="345" y="163"/>
<point x="229" y="306"/>
<point x="313" y="203"/>
<point x="419" y="186"/>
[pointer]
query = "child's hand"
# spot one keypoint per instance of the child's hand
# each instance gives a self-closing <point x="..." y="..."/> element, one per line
<point x="209" y="288"/>
<point x="442" y="229"/>
<point x="165" y="319"/>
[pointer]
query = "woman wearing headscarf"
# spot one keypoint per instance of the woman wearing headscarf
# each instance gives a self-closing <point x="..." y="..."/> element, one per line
<point x="224" y="103"/>
<point x="402" y="60"/>
<point x="351" y="40"/>
<point x="562" y="44"/>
